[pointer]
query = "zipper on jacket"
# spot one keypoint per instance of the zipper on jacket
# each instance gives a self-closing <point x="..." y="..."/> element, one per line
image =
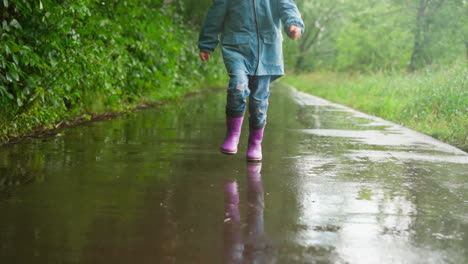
<point x="258" y="37"/>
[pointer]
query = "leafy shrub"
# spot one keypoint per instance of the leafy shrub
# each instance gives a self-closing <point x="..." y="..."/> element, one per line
<point x="66" y="58"/>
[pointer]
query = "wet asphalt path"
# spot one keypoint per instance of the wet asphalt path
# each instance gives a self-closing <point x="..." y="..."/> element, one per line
<point x="335" y="186"/>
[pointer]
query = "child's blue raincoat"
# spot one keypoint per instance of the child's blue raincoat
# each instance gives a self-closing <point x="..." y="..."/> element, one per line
<point x="251" y="36"/>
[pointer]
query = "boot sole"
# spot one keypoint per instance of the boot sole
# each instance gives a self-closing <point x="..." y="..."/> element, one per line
<point x="228" y="152"/>
<point x="254" y="160"/>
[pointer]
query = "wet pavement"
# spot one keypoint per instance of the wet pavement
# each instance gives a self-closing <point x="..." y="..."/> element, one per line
<point x="335" y="186"/>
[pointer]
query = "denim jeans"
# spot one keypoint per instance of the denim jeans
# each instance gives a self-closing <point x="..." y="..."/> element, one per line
<point x="240" y="87"/>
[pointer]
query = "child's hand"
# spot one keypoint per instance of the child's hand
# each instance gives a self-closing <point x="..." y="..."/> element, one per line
<point x="204" y="56"/>
<point x="295" y="32"/>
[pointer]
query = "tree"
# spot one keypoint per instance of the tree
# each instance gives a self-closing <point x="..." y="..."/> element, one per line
<point x="439" y="31"/>
<point x="374" y="36"/>
<point x="318" y="17"/>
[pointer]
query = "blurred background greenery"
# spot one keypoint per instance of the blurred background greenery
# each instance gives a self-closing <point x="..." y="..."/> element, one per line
<point x="371" y="35"/>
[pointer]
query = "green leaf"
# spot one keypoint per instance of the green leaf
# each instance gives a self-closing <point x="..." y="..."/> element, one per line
<point x="7" y="49"/>
<point x="5" y="25"/>
<point x="15" y="76"/>
<point x="8" y="77"/>
<point x="5" y="3"/>
<point x="14" y="23"/>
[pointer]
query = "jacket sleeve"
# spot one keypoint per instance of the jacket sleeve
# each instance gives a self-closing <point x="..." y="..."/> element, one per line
<point x="290" y="15"/>
<point x="212" y="27"/>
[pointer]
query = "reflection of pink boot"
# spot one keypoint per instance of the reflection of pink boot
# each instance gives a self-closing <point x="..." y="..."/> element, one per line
<point x="233" y="127"/>
<point x="255" y="187"/>
<point x="254" y="153"/>
<point x="254" y="172"/>
<point x="233" y="246"/>
<point x="231" y="201"/>
<point x="255" y="240"/>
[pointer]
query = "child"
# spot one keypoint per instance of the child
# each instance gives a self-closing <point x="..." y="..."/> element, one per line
<point x="251" y="43"/>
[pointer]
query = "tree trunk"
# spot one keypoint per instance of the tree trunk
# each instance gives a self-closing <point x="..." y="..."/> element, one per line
<point x="299" y="62"/>
<point x="417" y="46"/>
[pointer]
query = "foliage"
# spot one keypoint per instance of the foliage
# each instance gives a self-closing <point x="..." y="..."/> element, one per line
<point x="66" y="59"/>
<point x="437" y="38"/>
<point x="195" y="10"/>
<point x="371" y="35"/>
<point x="433" y="101"/>
<point x="379" y="35"/>
<point x="319" y="17"/>
<point x="372" y="39"/>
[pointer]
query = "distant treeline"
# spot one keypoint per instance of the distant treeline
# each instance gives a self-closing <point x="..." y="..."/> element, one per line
<point x="66" y="59"/>
<point x="372" y="35"/>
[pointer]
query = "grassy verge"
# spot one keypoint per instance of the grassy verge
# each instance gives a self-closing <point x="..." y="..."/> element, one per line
<point x="433" y="101"/>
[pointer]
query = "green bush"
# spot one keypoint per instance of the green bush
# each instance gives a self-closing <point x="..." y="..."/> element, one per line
<point x="65" y="59"/>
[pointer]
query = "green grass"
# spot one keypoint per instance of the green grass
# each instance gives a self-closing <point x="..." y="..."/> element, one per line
<point x="433" y="101"/>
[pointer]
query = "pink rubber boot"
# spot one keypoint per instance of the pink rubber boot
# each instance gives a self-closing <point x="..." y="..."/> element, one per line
<point x="254" y="153"/>
<point x="233" y="127"/>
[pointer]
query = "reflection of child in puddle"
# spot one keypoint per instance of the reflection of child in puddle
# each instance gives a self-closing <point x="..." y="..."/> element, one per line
<point x="250" y="248"/>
